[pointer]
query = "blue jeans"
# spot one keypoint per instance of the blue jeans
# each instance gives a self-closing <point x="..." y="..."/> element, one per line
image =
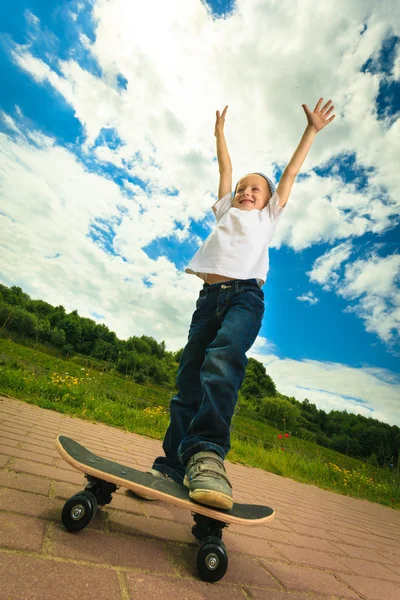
<point x="212" y="367"/>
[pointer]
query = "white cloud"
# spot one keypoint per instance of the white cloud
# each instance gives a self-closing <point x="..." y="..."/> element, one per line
<point x="308" y="297"/>
<point x="396" y="65"/>
<point x="325" y="267"/>
<point x="55" y="202"/>
<point x="372" y="283"/>
<point x="332" y="386"/>
<point x="180" y="68"/>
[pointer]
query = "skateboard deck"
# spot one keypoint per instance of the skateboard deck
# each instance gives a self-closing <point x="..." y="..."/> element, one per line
<point x="174" y="493"/>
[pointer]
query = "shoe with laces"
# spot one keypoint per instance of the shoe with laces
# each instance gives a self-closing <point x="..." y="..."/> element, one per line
<point x="156" y="474"/>
<point x="207" y="480"/>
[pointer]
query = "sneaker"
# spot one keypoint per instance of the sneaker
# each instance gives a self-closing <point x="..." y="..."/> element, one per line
<point x="207" y="480"/>
<point x="156" y="474"/>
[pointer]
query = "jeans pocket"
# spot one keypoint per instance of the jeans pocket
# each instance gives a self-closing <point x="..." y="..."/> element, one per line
<point x="256" y="298"/>
<point x="199" y="301"/>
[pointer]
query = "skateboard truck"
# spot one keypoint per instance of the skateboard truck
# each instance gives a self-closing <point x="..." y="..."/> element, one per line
<point x="205" y="526"/>
<point x="103" y="490"/>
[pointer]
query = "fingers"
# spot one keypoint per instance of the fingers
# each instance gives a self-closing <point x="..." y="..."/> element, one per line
<point x="326" y="105"/>
<point x="318" y="105"/>
<point x="324" y="111"/>
<point x="223" y="113"/>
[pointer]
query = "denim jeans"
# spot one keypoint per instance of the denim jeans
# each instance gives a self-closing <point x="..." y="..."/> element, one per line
<point x="212" y="367"/>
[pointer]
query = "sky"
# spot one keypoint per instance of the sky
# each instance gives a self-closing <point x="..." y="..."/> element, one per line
<point x="108" y="171"/>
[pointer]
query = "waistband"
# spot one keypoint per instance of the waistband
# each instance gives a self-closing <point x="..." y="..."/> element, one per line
<point x="231" y="283"/>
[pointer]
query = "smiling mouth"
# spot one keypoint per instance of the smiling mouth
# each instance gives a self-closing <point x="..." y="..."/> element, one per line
<point x="243" y="201"/>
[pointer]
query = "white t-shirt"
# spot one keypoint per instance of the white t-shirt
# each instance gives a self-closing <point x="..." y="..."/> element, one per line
<point x="238" y="246"/>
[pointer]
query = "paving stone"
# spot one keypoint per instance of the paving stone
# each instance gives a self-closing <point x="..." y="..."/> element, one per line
<point x="252" y="531"/>
<point x="313" y="558"/>
<point x="29" y="504"/>
<point x="30" y="578"/>
<point x="21" y="533"/>
<point x="52" y="452"/>
<point x="372" y="569"/>
<point x="8" y="442"/>
<point x="242" y="570"/>
<point x="150" y="528"/>
<point x="107" y="548"/>
<point x="46" y="442"/>
<point x="250" y="545"/>
<point x="126" y="503"/>
<point x="304" y="541"/>
<point x="154" y="587"/>
<point x="64" y="491"/>
<point x="260" y="594"/>
<point x="36" y="457"/>
<point x="364" y="553"/>
<point x="4" y="460"/>
<point x="162" y="510"/>
<point x="362" y="539"/>
<point x="27" y="466"/>
<point x="373" y="589"/>
<point x="299" y="579"/>
<point x="10" y="435"/>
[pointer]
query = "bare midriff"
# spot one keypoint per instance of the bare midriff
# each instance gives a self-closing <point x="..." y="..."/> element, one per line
<point x="214" y="278"/>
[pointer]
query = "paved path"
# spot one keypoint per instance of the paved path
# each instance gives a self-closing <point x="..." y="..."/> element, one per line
<point x="320" y="546"/>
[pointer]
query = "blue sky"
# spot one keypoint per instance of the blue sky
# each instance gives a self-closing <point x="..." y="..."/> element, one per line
<point x="109" y="173"/>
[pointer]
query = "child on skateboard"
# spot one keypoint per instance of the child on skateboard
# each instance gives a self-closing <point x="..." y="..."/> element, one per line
<point x="233" y="263"/>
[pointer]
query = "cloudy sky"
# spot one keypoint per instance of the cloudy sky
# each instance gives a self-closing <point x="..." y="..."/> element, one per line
<point x="108" y="172"/>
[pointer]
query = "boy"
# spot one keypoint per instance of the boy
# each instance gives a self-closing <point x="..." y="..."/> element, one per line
<point x="233" y="263"/>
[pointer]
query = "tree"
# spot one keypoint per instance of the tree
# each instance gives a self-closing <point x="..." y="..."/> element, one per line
<point x="257" y="383"/>
<point x="138" y="344"/>
<point x="57" y="337"/>
<point x="279" y="411"/>
<point x="40" y="308"/>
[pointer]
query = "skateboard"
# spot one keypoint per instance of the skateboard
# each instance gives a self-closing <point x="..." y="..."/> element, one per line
<point x="105" y="477"/>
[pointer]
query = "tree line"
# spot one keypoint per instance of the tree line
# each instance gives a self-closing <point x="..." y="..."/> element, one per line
<point x="147" y="361"/>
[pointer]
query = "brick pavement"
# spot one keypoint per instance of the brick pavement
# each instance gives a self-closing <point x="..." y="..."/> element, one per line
<point x="321" y="546"/>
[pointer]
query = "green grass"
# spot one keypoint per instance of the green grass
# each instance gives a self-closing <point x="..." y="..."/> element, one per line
<point x="72" y="387"/>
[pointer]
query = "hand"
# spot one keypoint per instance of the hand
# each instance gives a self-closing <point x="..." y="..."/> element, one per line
<point x="220" y="122"/>
<point x="319" y="118"/>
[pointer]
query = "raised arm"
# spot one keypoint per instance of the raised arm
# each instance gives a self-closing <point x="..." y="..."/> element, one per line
<point x="224" y="161"/>
<point x="317" y="120"/>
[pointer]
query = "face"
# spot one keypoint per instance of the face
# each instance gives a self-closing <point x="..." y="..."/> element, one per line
<point x="252" y="192"/>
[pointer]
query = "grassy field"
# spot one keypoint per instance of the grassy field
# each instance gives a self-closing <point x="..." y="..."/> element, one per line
<point x="79" y="387"/>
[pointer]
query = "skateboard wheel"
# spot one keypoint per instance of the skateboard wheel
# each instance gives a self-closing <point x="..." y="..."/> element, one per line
<point x="212" y="559"/>
<point x="78" y="511"/>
